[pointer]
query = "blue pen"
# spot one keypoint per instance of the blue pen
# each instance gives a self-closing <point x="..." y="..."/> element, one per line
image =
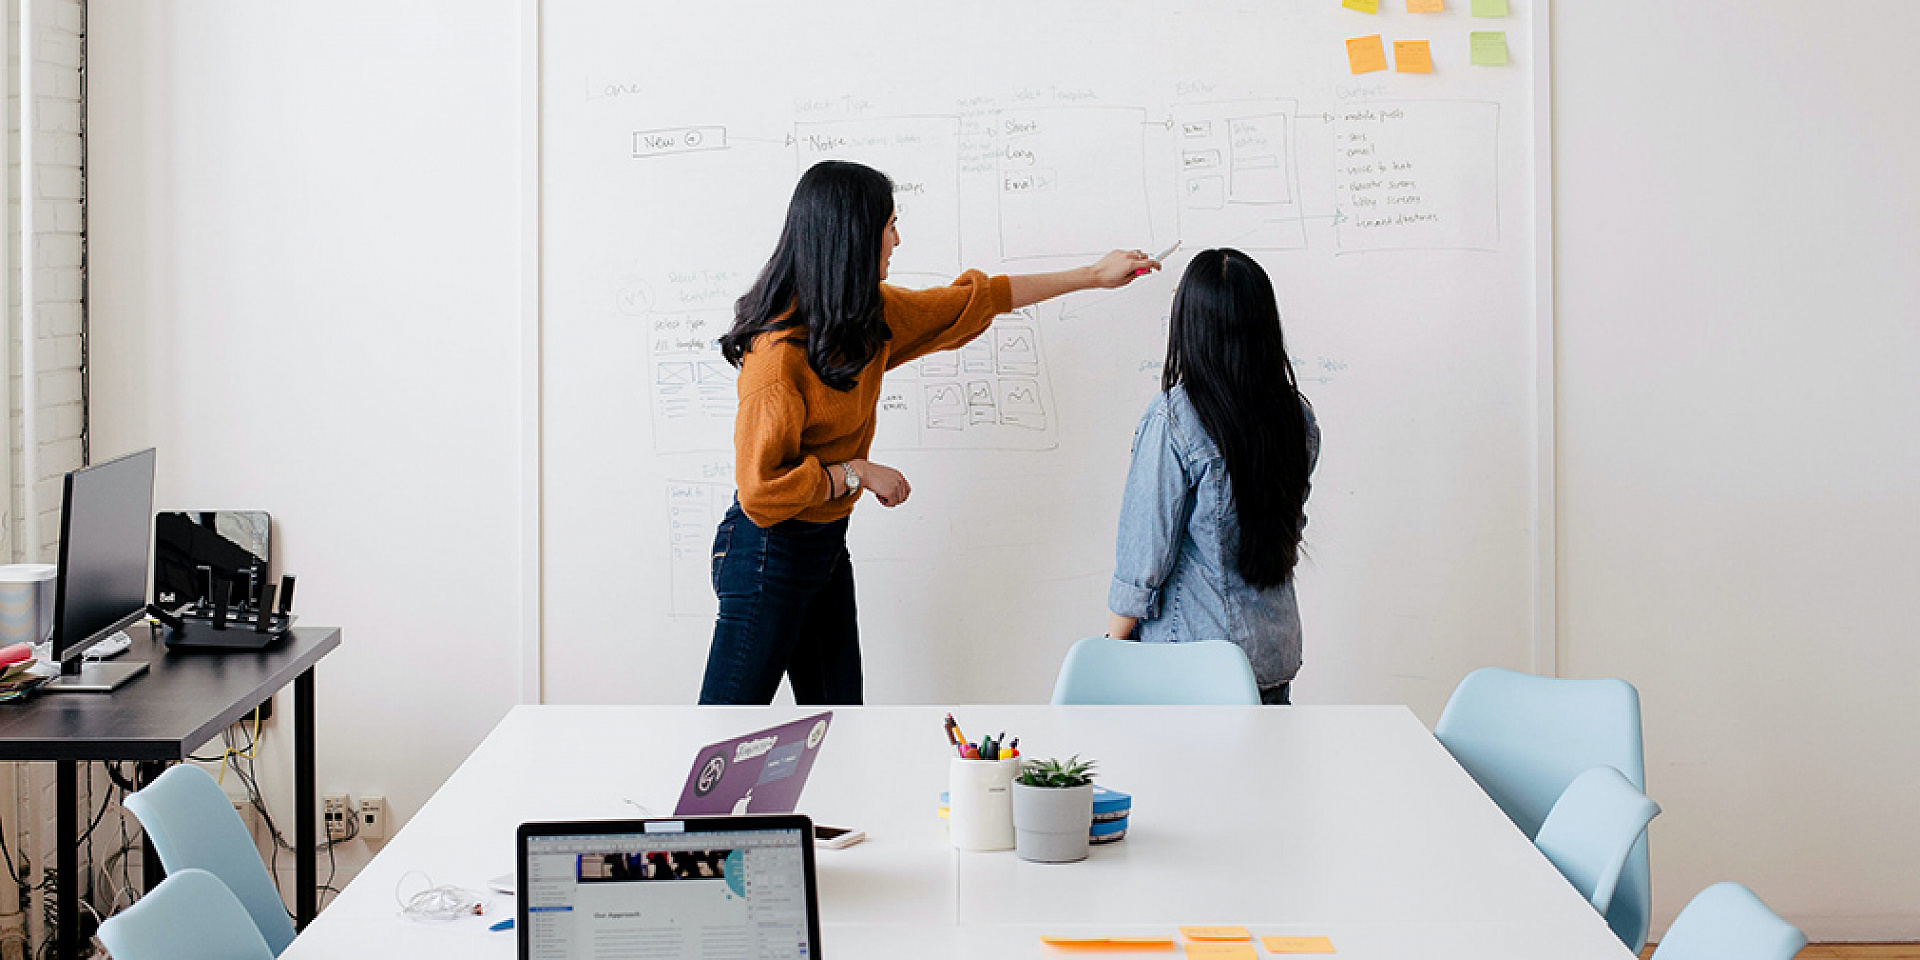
<point x="506" y="924"/>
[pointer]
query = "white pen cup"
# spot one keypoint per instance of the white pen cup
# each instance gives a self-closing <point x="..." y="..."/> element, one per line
<point x="980" y="803"/>
<point x="26" y="603"/>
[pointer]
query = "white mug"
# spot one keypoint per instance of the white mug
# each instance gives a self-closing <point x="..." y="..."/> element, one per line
<point x="980" y="803"/>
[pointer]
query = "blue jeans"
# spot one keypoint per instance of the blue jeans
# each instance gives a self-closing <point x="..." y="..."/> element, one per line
<point x="786" y="609"/>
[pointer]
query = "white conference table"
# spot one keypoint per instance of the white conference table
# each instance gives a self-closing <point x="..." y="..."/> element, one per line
<point x="1349" y="822"/>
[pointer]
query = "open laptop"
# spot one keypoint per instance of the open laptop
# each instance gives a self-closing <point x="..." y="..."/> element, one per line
<point x="761" y="772"/>
<point x="685" y="887"/>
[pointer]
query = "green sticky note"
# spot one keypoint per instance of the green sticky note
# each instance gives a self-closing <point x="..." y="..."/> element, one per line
<point x="1489" y="48"/>
<point x="1489" y="8"/>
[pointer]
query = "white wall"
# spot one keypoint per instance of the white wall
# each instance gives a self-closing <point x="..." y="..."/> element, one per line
<point x="1739" y="321"/>
<point x="305" y="222"/>
<point x="306" y="262"/>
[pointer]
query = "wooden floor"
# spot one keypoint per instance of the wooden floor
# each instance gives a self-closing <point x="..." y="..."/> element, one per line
<point x="1848" y="951"/>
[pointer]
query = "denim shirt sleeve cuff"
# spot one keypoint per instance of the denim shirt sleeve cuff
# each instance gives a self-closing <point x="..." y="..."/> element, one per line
<point x="1128" y="600"/>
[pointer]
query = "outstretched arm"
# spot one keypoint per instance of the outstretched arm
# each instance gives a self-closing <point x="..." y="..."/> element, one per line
<point x="1116" y="269"/>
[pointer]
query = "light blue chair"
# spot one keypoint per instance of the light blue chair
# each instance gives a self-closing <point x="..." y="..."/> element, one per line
<point x="193" y="826"/>
<point x="191" y="915"/>
<point x="1727" y="922"/>
<point x="1524" y="738"/>
<point x="1590" y="830"/>
<point x="1104" y="670"/>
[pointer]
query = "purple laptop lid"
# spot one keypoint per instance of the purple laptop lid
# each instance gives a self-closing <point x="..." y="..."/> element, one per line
<point x="761" y="772"/>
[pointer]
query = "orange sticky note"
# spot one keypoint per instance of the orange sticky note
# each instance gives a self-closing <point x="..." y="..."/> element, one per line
<point x="1221" y="951"/>
<point x="1366" y="54"/>
<point x="1364" y="6"/>
<point x="1110" y="943"/>
<point x="1298" y="944"/>
<point x="1426" y="6"/>
<point x="1412" y="56"/>
<point x="1215" y="933"/>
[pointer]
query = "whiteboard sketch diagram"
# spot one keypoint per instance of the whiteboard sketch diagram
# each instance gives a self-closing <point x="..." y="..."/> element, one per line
<point x="690" y="387"/>
<point x="1237" y="178"/>
<point x="693" y="513"/>
<point x="655" y="143"/>
<point x="1072" y="180"/>
<point x="1418" y="175"/>
<point x="993" y="393"/>
<point x="922" y="157"/>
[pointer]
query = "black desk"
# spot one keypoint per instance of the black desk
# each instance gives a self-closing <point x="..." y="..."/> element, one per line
<point x="180" y="703"/>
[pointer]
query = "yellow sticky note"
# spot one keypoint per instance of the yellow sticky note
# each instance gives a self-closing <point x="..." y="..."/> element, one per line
<point x="1221" y="951"/>
<point x="1489" y="48"/>
<point x="1215" y="933"/>
<point x="1367" y="54"/>
<point x="1412" y="56"/>
<point x="1364" y="6"/>
<point x="1426" y="6"/>
<point x="1489" y="8"/>
<point x="1298" y="944"/>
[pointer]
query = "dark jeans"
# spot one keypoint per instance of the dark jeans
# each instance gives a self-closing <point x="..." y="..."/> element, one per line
<point x="1281" y="695"/>
<point x="786" y="608"/>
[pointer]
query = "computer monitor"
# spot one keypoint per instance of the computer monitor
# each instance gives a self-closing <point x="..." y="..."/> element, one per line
<point x="106" y="517"/>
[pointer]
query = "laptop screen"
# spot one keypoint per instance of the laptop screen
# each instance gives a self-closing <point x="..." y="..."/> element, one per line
<point x="732" y="887"/>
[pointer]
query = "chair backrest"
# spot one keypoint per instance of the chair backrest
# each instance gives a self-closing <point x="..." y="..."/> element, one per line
<point x="1726" y="921"/>
<point x="193" y="826"/>
<point x="191" y="915"/>
<point x="1103" y="670"/>
<point x="1591" y="828"/>
<point x="1524" y="738"/>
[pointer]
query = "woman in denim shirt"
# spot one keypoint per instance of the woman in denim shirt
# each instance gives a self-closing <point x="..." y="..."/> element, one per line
<point x="1211" y="523"/>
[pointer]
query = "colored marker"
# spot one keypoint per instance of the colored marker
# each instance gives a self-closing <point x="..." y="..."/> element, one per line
<point x="956" y="729"/>
<point x="1163" y="255"/>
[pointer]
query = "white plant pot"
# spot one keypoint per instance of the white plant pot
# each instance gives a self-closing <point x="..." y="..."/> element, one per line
<point x="1050" y="824"/>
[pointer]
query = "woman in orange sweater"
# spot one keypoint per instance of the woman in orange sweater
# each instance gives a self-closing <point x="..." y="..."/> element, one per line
<point x="812" y="338"/>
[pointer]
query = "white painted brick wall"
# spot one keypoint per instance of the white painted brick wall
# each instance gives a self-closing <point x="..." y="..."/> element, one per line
<point x="58" y="250"/>
<point x="60" y="416"/>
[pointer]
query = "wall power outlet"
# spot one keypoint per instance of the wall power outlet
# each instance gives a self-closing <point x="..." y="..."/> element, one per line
<point x="334" y="813"/>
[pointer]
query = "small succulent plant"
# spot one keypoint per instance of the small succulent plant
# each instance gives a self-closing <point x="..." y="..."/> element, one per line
<point x="1055" y="773"/>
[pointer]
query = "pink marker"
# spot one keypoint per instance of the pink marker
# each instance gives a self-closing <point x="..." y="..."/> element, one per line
<point x="1163" y="255"/>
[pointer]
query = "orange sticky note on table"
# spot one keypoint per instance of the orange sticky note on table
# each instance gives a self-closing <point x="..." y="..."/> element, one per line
<point x="1110" y="943"/>
<point x="1215" y="933"/>
<point x="1366" y="54"/>
<point x="1364" y="6"/>
<point x="1412" y="56"/>
<point x="1426" y="6"/>
<point x="1298" y="944"/>
<point x="1221" y="951"/>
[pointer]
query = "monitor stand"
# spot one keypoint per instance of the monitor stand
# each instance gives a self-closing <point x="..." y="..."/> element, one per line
<point x="96" y="676"/>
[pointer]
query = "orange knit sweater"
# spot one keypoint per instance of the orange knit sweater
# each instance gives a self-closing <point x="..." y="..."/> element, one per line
<point x="790" y="423"/>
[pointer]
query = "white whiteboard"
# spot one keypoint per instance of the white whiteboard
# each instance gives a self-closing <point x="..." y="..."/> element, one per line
<point x="1395" y="213"/>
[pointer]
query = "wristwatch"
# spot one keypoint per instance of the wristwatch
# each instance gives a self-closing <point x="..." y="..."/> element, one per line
<point x="853" y="479"/>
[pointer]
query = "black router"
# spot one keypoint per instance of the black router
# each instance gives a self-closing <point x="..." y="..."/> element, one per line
<point x="222" y="628"/>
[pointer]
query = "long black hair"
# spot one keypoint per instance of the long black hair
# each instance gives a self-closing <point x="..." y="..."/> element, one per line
<point x="824" y="275"/>
<point x="1225" y="345"/>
